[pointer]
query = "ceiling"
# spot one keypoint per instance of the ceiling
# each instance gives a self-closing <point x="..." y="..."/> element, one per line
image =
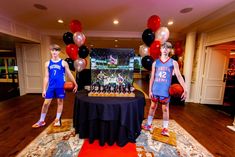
<point x="97" y="17"/>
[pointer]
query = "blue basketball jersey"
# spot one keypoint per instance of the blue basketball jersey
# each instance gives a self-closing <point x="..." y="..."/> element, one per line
<point x="56" y="74"/>
<point x="162" y="77"/>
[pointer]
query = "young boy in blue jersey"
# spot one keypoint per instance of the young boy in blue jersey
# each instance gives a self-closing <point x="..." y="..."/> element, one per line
<point x="53" y="85"/>
<point x="160" y="81"/>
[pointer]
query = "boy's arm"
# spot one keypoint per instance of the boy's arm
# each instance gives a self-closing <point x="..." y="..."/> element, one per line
<point x="70" y="76"/>
<point x="151" y="79"/>
<point x="180" y="79"/>
<point x="45" y="80"/>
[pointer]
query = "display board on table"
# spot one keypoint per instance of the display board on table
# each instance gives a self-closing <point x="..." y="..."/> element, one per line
<point x="112" y="72"/>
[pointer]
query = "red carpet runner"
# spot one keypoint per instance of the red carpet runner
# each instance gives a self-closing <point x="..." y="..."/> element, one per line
<point x="94" y="149"/>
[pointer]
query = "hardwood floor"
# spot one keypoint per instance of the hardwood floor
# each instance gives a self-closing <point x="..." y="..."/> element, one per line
<point x="205" y="124"/>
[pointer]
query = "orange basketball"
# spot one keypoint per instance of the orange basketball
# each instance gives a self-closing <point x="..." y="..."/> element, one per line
<point x="176" y="90"/>
<point x="68" y="86"/>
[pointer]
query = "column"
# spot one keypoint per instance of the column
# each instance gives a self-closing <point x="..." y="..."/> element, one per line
<point x="188" y="60"/>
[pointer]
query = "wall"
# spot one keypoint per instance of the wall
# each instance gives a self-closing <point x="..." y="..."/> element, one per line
<point x="21" y="32"/>
<point x="10" y="27"/>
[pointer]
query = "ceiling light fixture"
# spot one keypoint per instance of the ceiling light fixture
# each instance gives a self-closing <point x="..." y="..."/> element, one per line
<point x="232" y="52"/>
<point x="116" y="40"/>
<point x="170" y="23"/>
<point x="6" y="50"/>
<point x="186" y="10"/>
<point x="60" y="21"/>
<point x="115" y="22"/>
<point x="40" y="6"/>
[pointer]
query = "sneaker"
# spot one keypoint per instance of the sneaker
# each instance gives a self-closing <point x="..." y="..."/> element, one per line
<point x="165" y="132"/>
<point x="57" y="122"/>
<point x="39" y="124"/>
<point x="147" y="127"/>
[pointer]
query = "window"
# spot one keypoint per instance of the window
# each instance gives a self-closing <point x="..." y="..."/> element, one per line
<point x="7" y="68"/>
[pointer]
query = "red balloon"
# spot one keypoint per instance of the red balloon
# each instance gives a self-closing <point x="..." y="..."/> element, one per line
<point x="177" y="44"/>
<point x="69" y="86"/>
<point x="154" y="22"/>
<point x="155" y="49"/>
<point x="178" y="51"/>
<point x="72" y="51"/>
<point x="75" y="26"/>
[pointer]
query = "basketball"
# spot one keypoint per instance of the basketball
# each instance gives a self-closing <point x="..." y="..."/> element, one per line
<point x="68" y="86"/>
<point x="176" y="90"/>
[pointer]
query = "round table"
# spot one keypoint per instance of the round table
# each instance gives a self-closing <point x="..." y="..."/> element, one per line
<point x="108" y="119"/>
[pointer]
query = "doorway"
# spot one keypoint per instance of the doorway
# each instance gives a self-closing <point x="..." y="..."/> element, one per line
<point x="218" y="87"/>
<point x="229" y="95"/>
<point x="9" y="65"/>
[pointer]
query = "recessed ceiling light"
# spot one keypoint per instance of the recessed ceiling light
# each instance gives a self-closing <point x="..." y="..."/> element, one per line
<point x="40" y="6"/>
<point x="116" y="45"/>
<point x="232" y="52"/>
<point x="115" y="22"/>
<point x="116" y="40"/>
<point x="6" y="50"/>
<point x="60" y="21"/>
<point x="170" y="22"/>
<point x="186" y="10"/>
<point x="91" y="45"/>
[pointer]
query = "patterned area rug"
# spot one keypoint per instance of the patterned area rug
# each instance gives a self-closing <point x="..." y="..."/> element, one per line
<point x="67" y="144"/>
<point x="51" y="143"/>
<point x="186" y="145"/>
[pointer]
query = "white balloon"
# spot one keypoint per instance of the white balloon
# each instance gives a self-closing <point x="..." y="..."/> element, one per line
<point x="79" y="38"/>
<point x="162" y="34"/>
<point x="79" y="64"/>
<point x="143" y="50"/>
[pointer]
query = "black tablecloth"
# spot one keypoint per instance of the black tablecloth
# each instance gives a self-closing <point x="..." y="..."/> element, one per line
<point x="109" y="119"/>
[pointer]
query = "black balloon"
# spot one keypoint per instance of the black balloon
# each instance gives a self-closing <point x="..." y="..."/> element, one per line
<point x="83" y="51"/>
<point x="148" y="37"/>
<point x="175" y="57"/>
<point x="68" y="38"/>
<point x="147" y="62"/>
<point x="70" y="63"/>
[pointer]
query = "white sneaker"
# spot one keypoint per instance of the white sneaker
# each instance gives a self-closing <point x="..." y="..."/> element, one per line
<point x="165" y="132"/>
<point x="57" y="122"/>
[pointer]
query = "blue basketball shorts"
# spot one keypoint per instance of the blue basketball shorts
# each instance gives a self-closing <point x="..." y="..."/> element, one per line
<point x="55" y="93"/>
<point x="160" y="99"/>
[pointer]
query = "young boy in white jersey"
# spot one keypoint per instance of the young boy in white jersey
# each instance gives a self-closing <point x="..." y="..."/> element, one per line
<point x="53" y="85"/>
<point x="160" y="81"/>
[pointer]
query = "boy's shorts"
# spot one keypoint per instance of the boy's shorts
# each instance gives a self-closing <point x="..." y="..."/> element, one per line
<point x="160" y="99"/>
<point x="55" y="93"/>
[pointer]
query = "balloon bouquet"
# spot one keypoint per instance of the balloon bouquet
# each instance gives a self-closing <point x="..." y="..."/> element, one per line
<point x="75" y="48"/>
<point x="153" y="37"/>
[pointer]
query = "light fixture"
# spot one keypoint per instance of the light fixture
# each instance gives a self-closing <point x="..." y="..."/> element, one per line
<point x="6" y="50"/>
<point x="186" y="10"/>
<point x="91" y="45"/>
<point x="170" y="23"/>
<point x="116" y="45"/>
<point x="115" y="22"/>
<point x="116" y="40"/>
<point x="40" y="6"/>
<point x="60" y="21"/>
<point x="232" y="52"/>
